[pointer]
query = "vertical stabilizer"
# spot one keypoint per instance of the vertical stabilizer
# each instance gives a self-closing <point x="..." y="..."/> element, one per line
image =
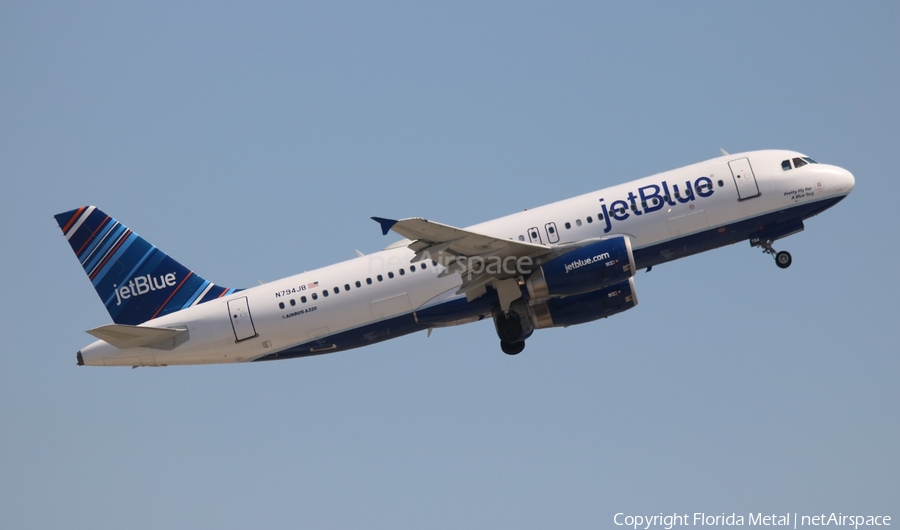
<point x="136" y="281"/>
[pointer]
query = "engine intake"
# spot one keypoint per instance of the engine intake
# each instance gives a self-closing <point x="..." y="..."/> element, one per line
<point x="583" y="270"/>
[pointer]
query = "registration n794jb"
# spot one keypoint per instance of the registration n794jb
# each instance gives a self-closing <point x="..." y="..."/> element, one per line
<point x="566" y="263"/>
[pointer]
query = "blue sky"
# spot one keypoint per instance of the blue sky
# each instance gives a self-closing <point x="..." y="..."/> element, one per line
<point x="254" y="142"/>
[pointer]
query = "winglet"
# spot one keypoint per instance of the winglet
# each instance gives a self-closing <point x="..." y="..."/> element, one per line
<point x="386" y="224"/>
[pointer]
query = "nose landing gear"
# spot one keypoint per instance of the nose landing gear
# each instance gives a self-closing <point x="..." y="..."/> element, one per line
<point x="782" y="259"/>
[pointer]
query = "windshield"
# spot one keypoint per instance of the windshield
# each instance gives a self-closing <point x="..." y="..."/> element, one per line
<point x="794" y="163"/>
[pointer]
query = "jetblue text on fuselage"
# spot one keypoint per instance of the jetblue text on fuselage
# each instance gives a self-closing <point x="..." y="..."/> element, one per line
<point x="653" y="197"/>
<point x="143" y="285"/>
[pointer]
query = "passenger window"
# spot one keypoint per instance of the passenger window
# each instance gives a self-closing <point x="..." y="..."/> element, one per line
<point x="293" y="303"/>
<point x="599" y="216"/>
<point x="337" y="290"/>
<point x="368" y="281"/>
<point x="534" y="235"/>
<point x="380" y="278"/>
<point x="551" y="230"/>
<point x="412" y="268"/>
<point x="302" y="299"/>
<point x="347" y="286"/>
<point x="422" y="266"/>
<point x="521" y="238"/>
<point x="402" y="272"/>
<point x="315" y="296"/>
<point x="786" y="165"/>
<point x="325" y="293"/>
<point x="589" y="219"/>
<point x="390" y="274"/>
<point x="720" y="185"/>
<point x="358" y="285"/>
<point x="568" y="225"/>
<point x="280" y="305"/>
<point x="577" y="222"/>
<point x="799" y="163"/>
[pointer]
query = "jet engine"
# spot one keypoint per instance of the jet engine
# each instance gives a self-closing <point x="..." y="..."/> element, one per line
<point x="583" y="270"/>
<point x="581" y="308"/>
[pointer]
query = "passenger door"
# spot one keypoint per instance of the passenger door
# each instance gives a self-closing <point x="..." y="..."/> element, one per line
<point x="241" y="321"/>
<point x="744" y="179"/>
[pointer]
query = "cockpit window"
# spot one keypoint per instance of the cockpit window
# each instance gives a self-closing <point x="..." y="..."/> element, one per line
<point x="800" y="161"/>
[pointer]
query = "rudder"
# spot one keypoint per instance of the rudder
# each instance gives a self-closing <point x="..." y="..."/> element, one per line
<point x="135" y="280"/>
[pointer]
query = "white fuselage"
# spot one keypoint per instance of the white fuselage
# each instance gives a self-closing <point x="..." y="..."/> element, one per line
<point x="283" y="314"/>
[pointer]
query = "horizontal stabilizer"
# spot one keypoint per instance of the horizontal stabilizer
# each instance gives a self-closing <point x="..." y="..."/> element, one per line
<point x="124" y="336"/>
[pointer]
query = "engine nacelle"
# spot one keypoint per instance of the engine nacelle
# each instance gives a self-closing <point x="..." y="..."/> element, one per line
<point x="581" y="308"/>
<point x="583" y="270"/>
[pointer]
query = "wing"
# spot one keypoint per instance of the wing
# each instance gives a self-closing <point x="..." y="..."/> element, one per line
<point x="478" y="258"/>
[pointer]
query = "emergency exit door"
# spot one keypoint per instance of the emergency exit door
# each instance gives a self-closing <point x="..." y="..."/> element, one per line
<point x="241" y="321"/>
<point x="744" y="179"/>
<point x="552" y="232"/>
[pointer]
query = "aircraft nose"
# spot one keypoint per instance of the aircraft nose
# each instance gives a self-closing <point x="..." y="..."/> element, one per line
<point x="847" y="182"/>
<point x="838" y="180"/>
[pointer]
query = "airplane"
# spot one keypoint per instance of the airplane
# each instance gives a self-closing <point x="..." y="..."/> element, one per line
<point x="566" y="263"/>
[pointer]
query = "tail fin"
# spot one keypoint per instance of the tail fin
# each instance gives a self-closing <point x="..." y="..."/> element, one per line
<point x="136" y="281"/>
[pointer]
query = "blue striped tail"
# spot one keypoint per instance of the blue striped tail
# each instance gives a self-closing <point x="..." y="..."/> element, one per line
<point x="135" y="280"/>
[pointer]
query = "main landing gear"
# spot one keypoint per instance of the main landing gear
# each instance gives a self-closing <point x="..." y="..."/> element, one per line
<point x="512" y="348"/>
<point x="513" y="329"/>
<point x="782" y="259"/>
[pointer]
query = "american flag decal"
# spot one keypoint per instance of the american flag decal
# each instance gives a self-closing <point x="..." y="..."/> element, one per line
<point x="311" y="285"/>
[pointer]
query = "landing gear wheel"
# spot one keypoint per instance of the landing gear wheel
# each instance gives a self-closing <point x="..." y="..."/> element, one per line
<point x="783" y="259"/>
<point x="509" y="327"/>
<point x="512" y="348"/>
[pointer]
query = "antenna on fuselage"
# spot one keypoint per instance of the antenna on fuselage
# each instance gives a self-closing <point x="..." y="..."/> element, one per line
<point x="724" y="152"/>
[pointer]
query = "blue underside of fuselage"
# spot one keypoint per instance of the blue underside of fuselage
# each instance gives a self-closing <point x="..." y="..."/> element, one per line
<point x="459" y="309"/>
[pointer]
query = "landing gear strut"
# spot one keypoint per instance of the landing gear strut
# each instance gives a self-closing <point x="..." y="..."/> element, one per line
<point x="782" y="259"/>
